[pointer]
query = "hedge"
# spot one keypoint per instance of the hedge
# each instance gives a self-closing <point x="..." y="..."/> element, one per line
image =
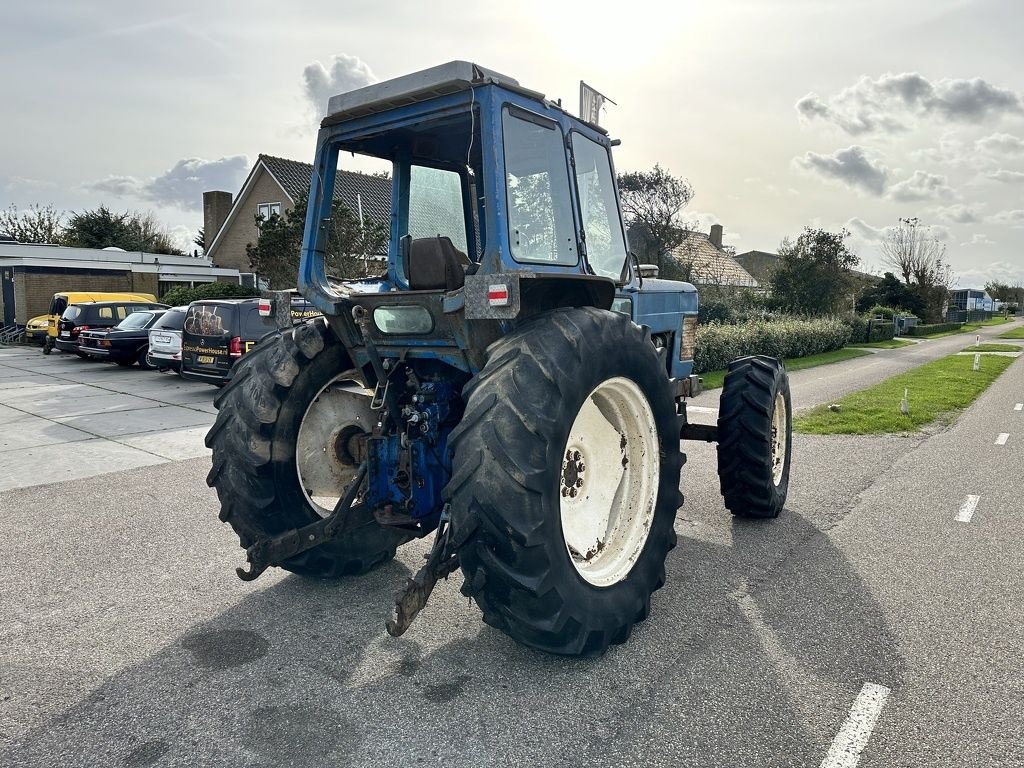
<point x="926" y="330"/>
<point x="177" y="297"/>
<point x="783" y="338"/>
<point x="881" y="331"/>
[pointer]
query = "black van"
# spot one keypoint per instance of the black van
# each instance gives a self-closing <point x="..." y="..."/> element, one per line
<point x="88" y="315"/>
<point x="216" y="333"/>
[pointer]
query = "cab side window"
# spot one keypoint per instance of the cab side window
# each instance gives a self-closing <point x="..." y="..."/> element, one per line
<point x="541" y="226"/>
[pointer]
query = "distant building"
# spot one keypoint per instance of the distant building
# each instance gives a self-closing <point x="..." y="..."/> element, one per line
<point x="970" y="300"/>
<point x="273" y="186"/>
<point x="30" y="275"/>
<point x="700" y="255"/>
<point x="709" y="263"/>
<point x="760" y="264"/>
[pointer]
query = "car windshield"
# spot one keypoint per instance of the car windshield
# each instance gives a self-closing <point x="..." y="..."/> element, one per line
<point x="171" y="320"/>
<point x="135" y="321"/>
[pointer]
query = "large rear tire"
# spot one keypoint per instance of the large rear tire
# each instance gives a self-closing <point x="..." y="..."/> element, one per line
<point x="755" y="437"/>
<point x="280" y="460"/>
<point x="566" y="481"/>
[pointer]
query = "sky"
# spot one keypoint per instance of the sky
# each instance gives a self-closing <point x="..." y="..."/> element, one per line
<point x="781" y="113"/>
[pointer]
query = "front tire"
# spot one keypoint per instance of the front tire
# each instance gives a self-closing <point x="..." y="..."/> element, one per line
<point x="565" y="481"/>
<point x="268" y="415"/>
<point x="755" y="437"/>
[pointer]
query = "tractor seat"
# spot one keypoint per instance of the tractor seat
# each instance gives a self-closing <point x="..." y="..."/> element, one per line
<point x="435" y="263"/>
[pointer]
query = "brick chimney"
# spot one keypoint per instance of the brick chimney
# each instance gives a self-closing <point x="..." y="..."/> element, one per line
<point x="215" y="210"/>
<point x="716" y="236"/>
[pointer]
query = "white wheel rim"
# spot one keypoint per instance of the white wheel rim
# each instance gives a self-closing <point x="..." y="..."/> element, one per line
<point x="780" y="429"/>
<point x="325" y="465"/>
<point x="609" y="482"/>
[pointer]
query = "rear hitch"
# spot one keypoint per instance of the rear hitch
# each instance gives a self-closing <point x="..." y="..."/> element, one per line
<point x="412" y="599"/>
<point x="275" y="550"/>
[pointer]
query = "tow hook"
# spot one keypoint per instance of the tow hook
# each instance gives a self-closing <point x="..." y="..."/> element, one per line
<point x="413" y="598"/>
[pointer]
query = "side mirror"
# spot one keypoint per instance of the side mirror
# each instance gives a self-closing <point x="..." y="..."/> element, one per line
<point x="648" y="270"/>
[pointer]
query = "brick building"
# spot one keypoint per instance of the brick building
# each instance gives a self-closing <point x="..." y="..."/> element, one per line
<point x="30" y="275"/>
<point x="273" y="186"/>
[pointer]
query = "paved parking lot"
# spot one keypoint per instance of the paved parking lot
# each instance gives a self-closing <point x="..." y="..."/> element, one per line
<point x="62" y="417"/>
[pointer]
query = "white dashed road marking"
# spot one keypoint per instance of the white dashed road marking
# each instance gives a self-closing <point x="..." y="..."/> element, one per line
<point x="967" y="509"/>
<point x="1019" y="407"/>
<point x="1003" y="437"/>
<point x="853" y="736"/>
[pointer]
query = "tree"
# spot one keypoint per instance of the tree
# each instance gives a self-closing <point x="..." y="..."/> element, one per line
<point x="813" y="273"/>
<point x="920" y="258"/>
<point x="39" y="224"/>
<point x="131" y="231"/>
<point x="1011" y="294"/>
<point x="890" y="292"/>
<point x="652" y="204"/>
<point x="200" y="240"/>
<point x="350" y="247"/>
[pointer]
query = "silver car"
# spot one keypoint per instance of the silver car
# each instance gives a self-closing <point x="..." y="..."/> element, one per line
<point x="165" y="340"/>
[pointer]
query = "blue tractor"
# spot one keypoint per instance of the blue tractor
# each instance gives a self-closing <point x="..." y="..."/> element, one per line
<point x="513" y="385"/>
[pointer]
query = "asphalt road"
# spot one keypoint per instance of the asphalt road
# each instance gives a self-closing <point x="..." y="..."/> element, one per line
<point x="126" y="639"/>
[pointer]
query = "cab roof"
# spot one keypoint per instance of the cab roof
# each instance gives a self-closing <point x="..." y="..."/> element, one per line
<point x="419" y="86"/>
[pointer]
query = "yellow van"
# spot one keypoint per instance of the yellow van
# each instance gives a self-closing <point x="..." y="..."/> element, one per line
<point x="61" y="301"/>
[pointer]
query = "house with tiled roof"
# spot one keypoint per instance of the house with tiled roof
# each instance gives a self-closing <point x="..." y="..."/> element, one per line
<point x="701" y="256"/>
<point x="273" y="186"/>
<point x="709" y="263"/>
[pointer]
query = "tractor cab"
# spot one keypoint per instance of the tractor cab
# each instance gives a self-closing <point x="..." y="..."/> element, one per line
<point x="503" y="205"/>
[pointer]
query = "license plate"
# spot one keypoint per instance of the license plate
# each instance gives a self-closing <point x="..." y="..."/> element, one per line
<point x="161" y="338"/>
<point x="65" y="334"/>
<point x="205" y="359"/>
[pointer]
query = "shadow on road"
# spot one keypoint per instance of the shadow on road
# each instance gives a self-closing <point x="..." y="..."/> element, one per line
<point x="751" y="656"/>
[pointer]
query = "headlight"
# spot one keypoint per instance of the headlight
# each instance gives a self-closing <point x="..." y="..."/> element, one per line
<point x="688" y="337"/>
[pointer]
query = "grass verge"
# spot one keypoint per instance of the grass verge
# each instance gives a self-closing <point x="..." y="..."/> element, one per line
<point x="992" y="348"/>
<point x="715" y="379"/>
<point x="887" y="344"/>
<point x="936" y="391"/>
<point x="1016" y="333"/>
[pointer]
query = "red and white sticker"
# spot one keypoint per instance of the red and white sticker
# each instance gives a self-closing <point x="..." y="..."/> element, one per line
<point x="498" y="295"/>
<point x="264" y="307"/>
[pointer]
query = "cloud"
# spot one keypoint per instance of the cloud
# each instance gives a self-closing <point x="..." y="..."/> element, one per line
<point x="865" y="231"/>
<point x="1001" y="144"/>
<point x="346" y="73"/>
<point x="1001" y="271"/>
<point x="958" y="214"/>
<point x="851" y="166"/>
<point x="877" y="105"/>
<point x="854" y="120"/>
<point x="921" y="185"/>
<point x="978" y="239"/>
<point x="1008" y="177"/>
<point x="181" y="186"/>
<point x="1014" y="218"/>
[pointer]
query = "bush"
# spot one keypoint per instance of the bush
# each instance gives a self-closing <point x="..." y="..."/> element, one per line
<point x="858" y="328"/>
<point x="887" y="312"/>
<point x="782" y="338"/>
<point x="881" y="331"/>
<point x="180" y="296"/>
<point x="925" y="330"/>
